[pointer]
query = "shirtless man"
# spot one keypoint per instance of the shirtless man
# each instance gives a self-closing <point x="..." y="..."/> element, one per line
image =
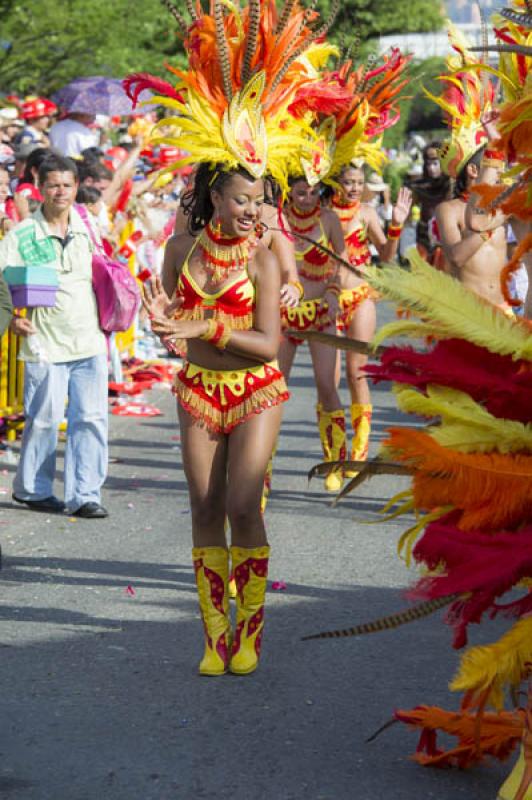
<point x="474" y="243"/>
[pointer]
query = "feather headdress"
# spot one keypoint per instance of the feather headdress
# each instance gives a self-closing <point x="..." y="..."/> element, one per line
<point x="465" y="99"/>
<point x="245" y="67"/>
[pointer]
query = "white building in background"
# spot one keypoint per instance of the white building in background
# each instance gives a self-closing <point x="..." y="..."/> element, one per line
<point x="465" y="14"/>
<point x="428" y="45"/>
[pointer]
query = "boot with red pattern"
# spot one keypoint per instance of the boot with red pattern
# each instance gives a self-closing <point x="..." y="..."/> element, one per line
<point x="250" y="568"/>
<point x="211" y="566"/>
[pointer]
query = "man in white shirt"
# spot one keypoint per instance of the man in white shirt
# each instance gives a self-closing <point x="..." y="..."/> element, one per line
<point x="72" y="135"/>
<point x="64" y="353"/>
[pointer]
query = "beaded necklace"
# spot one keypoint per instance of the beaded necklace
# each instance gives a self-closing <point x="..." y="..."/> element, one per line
<point x="222" y="254"/>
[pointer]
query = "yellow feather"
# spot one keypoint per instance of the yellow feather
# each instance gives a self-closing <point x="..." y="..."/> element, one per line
<point x="496" y="665"/>
<point x="448" y="309"/>
<point x="465" y="425"/>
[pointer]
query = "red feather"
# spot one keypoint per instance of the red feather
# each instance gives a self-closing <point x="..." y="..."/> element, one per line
<point x="322" y="97"/>
<point x="504" y="386"/>
<point x="481" y="566"/>
<point x="135" y="83"/>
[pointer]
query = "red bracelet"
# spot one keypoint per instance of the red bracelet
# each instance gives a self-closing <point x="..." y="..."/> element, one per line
<point x="218" y="334"/>
<point x="394" y="231"/>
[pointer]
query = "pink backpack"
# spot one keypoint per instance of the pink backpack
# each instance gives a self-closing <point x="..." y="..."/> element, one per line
<point x="116" y="290"/>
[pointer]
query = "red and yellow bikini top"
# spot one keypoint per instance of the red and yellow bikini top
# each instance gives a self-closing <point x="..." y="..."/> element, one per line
<point x="356" y="241"/>
<point x="233" y="304"/>
<point x="312" y="263"/>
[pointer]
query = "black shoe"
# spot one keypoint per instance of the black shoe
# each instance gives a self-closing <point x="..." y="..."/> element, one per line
<point x="91" y="511"/>
<point x="49" y="504"/>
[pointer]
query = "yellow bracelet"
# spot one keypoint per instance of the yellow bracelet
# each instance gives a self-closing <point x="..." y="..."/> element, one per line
<point x="210" y="332"/>
<point x="299" y="286"/>
<point x="223" y="341"/>
<point x="217" y="334"/>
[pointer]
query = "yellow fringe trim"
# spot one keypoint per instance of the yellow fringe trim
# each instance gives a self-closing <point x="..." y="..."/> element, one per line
<point x="224" y="420"/>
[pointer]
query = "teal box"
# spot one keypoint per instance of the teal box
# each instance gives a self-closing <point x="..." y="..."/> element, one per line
<point x="31" y="276"/>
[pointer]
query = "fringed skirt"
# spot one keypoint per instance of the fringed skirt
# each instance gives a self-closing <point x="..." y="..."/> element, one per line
<point x="223" y="399"/>
<point x="310" y="315"/>
<point x="349" y="301"/>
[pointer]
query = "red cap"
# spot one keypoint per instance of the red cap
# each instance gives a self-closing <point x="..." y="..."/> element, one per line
<point x="38" y="107"/>
<point x="29" y="191"/>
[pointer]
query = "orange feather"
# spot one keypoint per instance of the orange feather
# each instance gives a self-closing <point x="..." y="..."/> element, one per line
<point x="491" y="489"/>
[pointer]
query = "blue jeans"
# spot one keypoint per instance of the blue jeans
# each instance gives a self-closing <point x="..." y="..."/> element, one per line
<point x="46" y="387"/>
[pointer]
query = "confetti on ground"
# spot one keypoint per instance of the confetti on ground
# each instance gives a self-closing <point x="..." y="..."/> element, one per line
<point x="278" y="586"/>
<point x="137" y="410"/>
<point x="72" y="519"/>
<point x="130" y="591"/>
<point x="130" y="505"/>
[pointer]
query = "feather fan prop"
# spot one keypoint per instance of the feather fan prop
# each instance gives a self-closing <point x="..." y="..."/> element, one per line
<point x="495" y="735"/>
<point x="448" y="310"/>
<point x="491" y="490"/>
<point x="502" y="385"/>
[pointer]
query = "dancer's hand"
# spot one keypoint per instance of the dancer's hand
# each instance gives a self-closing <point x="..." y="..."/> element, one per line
<point x="156" y="301"/>
<point x="290" y="295"/>
<point x="330" y="304"/>
<point x="401" y="209"/>
<point x="172" y="329"/>
<point x="490" y="124"/>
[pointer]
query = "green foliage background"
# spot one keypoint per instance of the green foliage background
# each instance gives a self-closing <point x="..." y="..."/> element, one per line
<point x="46" y="43"/>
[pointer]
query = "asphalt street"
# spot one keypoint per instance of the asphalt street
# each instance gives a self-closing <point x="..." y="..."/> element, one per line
<point x="100" y="638"/>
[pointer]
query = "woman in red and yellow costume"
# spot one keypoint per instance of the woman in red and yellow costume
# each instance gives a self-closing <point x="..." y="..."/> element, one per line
<point x="361" y="226"/>
<point x="357" y="314"/>
<point x="319" y="277"/>
<point x="232" y="118"/>
<point x="351" y="134"/>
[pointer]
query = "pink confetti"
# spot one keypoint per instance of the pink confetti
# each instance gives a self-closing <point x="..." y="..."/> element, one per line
<point x="130" y="505"/>
<point x="175" y="438"/>
<point x="130" y="591"/>
<point x="278" y="586"/>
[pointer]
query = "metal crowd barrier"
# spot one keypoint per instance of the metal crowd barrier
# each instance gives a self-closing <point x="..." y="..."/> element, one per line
<point x="11" y="385"/>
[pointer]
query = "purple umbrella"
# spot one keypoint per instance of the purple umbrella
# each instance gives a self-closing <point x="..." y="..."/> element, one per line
<point x="96" y="95"/>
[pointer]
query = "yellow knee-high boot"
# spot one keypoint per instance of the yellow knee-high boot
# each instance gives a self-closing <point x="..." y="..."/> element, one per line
<point x="211" y="567"/>
<point x="361" y="414"/>
<point x="332" y="434"/>
<point x="250" y="568"/>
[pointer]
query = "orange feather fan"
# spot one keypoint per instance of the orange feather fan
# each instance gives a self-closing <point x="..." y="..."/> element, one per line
<point x="492" y="490"/>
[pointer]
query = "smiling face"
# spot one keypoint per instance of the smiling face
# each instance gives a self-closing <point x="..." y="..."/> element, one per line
<point x="59" y="191"/>
<point x="351" y="181"/>
<point x="238" y="204"/>
<point x="304" y="196"/>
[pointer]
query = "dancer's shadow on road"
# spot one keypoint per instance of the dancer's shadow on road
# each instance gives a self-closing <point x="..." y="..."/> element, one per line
<point x="113" y="708"/>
